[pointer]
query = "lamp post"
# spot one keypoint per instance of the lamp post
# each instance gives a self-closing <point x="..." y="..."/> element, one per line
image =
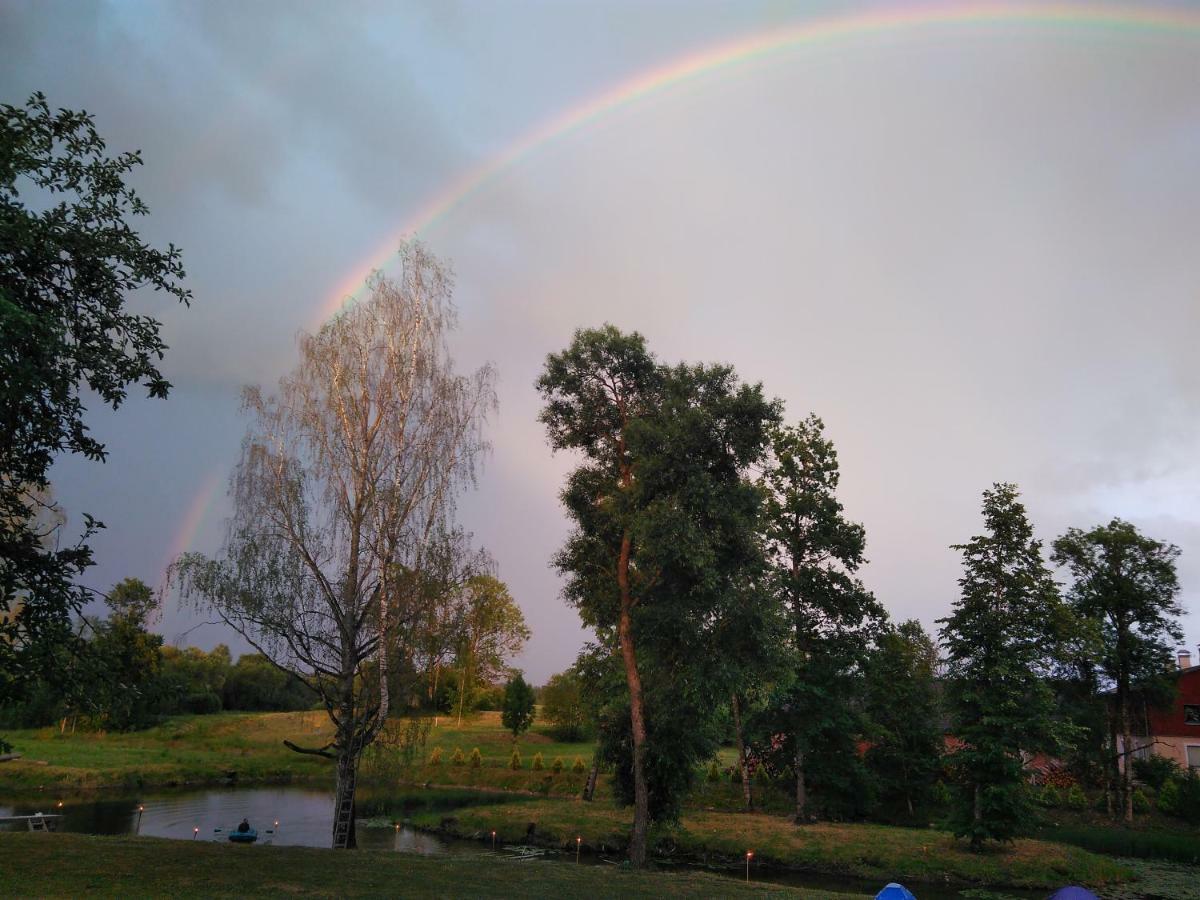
<point x="493" y="839"/>
<point x="138" y="828"/>
<point x="195" y="832"/>
<point x="749" y="856"/>
<point x="578" y="844"/>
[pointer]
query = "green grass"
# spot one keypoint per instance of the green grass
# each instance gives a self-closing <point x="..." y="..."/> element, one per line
<point x="867" y="851"/>
<point x="199" y="750"/>
<point x="1174" y="846"/>
<point x="70" y="865"/>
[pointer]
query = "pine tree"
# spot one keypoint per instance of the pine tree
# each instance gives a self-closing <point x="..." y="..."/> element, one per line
<point x="997" y="642"/>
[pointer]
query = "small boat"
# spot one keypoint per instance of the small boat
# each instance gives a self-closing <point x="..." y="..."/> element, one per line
<point x="243" y="837"/>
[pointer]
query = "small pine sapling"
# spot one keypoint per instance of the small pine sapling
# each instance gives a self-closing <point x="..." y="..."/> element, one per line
<point x="578" y="766"/>
<point x="435" y="758"/>
<point x="558" y="765"/>
<point x="514" y="761"/>
<point x="538" y="764"/>
<point x="476" y="759"/>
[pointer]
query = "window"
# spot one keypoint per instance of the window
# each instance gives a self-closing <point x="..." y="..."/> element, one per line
<point x="1191" y="713"/>
<point x="1193" y="756"/>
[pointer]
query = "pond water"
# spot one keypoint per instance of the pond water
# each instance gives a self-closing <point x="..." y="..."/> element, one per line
<point x="305" y="817"/>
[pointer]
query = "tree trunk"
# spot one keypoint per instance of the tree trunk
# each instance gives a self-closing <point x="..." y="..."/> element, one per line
<point x="462" y="691"/>
<point x="1127" y="761"/>
<point x="801" y="790"/>
<point x="641" y="794"/>
<point x="347" y="770"/>
<point x="589" y="788"/>
<point x="977" y="816"/>
<point x="741" y="751"/>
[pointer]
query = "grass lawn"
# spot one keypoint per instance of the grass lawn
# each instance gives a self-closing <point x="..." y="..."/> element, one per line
<point x="870" y="851"/>
<point x="71" y="865"/>
<point x="205" y="749"/>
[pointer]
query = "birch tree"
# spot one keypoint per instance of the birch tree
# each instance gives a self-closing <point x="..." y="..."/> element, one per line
<point x="343" y="503"/>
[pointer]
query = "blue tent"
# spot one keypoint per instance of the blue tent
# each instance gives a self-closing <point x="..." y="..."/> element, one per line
<point x="1072" y="893"/>
<point x="895" y="892"/>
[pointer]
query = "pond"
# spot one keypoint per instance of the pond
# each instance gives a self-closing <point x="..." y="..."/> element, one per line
<point x="290" y="815"/>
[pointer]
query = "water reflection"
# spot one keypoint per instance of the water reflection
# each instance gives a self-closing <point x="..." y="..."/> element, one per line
<point x="305" y="817"/>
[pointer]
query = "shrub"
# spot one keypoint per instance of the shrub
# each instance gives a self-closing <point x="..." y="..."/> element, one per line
<point x="476" y="759"/>
<point x="435" y="758"/>
<point x="1180" y="797"/>
<point x="458" y="758"/>
<point x="558" y="765"/>
<point x="1050" y="796"/>
<point x="1076" y="798"/>
<point x="578" y="765"/>
<point x="735" y="774"/>
<point x="762" y="776"/>
<point x="714" y="771"/>
<point x="514" y="761"/>
<point x="538" y="764"/>
<point x="1141" y="803"/>
<point x="1156" y="770"/>
<point x="941" y="794"/>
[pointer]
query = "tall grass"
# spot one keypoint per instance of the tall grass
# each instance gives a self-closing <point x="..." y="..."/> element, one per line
<point x="1181" y="847"/>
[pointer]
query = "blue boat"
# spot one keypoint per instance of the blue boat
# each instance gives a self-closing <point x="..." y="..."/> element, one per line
<point x="243" y="837"/>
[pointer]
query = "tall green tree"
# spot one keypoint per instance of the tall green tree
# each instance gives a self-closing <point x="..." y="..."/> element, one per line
<point x="665" y="527"/>
<point x="999" y="641"/>
<point x="492" y="631"/>
<point x="518" y="711"/>
<point x="69" y="258"/>
<point x="815" y="554"/>
<point x="1126" y="585"/>
<point x="563" y="705"/>
<point x="127" y="658"/>
<point x="902" y="705"/>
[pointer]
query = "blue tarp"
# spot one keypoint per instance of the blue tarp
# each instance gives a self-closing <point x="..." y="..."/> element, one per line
<point x="1072" y="893"/>
<point x="895" y="892"/>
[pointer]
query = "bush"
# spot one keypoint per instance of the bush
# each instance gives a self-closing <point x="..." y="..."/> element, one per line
<point x="1180" y="797"/>
<point x="1050" y="796"/>
<point x="458" y="758"/>
<point x="476" y="759"/>
<point x="1076" y="798"/>
<point x="762" y="776"/>
<point x="941" y="794"/>
<point x="558" y="765"/>
<point x="578" y="765"/>
<point x="435" y="758"/>
<point x="514" y="761"/>
<point x="714" y="771"/>
<point x="735" y="774"/>
<point x="538" y="765"/>
<point x="1141" y="803"/>
<point x="1156" y="771"/>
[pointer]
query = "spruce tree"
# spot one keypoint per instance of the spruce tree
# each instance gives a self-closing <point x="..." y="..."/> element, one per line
<point x="996" y="642"/>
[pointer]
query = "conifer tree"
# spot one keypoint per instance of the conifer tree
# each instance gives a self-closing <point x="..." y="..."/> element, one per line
<point x="997" y="641"/>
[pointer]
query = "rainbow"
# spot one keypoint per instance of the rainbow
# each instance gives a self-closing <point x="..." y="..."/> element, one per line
<point x="193" y="517"/>
<point x="721" y="57"/>
<point x="739" y="52"/>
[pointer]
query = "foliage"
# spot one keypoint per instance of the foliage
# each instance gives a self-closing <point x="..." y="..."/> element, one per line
<point x="997" y="640"/>
<point x="342" y="529"/>
<point x="557" y="766"/>
<point x="435" y="758"/>
<point x="254" y="683"/>
<point x="1075" y="798"/>
<point x="68" y="260"/>
<point x="1125" y="588"/>
<point x="832" y="619"/>
<point x="518" y="711"/>
<point x="1156" y="770"/>
<point x="476" y="758"/>
<point x="664" y="536"/>
<point x="578" y="765"/>
<point x="1180" y="797"/>
<point x="492" y="631"/>
<point x="458" y="758"/>
<point x="514" y="760"/>
<point x="563" y="706"/>
<point x="902" y="706"/>
<point x="538" y="763"/>
<point x="714" y="771"/>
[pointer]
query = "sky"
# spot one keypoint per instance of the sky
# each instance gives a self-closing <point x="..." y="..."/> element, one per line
<point x="968" y="243"/>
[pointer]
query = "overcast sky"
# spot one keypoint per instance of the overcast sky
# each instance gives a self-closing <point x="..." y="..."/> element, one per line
<point x="972" y="250"/>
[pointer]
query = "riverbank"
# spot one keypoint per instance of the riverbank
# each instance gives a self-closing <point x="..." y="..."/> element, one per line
<point x="72" y="865"/>
<point x="865" y="851"/>
<point x="248" y="748"/>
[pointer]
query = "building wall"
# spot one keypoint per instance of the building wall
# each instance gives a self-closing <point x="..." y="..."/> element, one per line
<point x="1173" y="723"/>
<point x="1176" y="748"/>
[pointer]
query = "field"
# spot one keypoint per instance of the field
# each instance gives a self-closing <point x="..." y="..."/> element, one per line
<point x="200" y="750"/>
<point x="71" y="865"/>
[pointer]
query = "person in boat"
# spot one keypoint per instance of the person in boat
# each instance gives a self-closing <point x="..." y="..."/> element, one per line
<point x="244" y="826"/>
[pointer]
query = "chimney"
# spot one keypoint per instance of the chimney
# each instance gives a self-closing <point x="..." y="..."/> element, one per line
<point x="1185" y="659"/>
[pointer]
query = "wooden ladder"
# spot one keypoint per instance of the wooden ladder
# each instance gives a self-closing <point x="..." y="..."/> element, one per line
<point x="344" y="817"/>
